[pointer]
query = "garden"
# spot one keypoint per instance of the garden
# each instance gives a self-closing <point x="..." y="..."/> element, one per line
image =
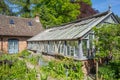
<point x="27" y="66"/>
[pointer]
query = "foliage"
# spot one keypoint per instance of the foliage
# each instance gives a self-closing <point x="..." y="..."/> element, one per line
<point x="6" y="56"/>
<point x="17" y="71"/>
<point x="107" y="39"/>
<point x="4" y="8"/>
<point x="86" y="1"/>
<point x="65" y="69"/>
<point x="33" y="59"/>
<point x="24" y="6"/>
<point x="24" y="53"/>
<point x="111" y="71"/>
<point x="106" y="73"/>
<point x="86" y="9"/>
<point x="56" y="12"/>
<point x="117" y="17"/>
<point x="108" y="47"/>
<point x="43" y="76"/>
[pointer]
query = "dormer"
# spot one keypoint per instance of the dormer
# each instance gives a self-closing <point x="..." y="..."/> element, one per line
<point x="30" y="23"/>
<point x="11" y="21"/>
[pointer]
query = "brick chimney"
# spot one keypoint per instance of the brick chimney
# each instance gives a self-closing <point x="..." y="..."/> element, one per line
<point x="37" y="18"/>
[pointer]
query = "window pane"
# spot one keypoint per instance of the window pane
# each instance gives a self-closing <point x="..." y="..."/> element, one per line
<point x="84" y="47"/>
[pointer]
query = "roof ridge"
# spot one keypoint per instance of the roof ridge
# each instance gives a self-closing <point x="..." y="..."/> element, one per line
<point x="95" y="15"/>
<point x="15" y="17"/>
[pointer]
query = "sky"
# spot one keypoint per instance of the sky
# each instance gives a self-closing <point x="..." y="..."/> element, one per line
<point x="102" y="5"/>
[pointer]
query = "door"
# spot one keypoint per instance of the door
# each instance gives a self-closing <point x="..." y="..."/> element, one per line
<point x="13" y="46"/>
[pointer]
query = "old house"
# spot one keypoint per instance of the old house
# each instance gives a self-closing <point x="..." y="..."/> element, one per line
<point x="14" y="32"/>
<point x="74" y="39"/>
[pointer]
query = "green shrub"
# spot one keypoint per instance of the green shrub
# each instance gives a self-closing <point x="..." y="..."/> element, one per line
<point x="33" y="59"/>
<point x="65" y="69"/>
<point x="24" y="53"/>
<point x="110" y="71"/>
<point x="106" y="73"/>
<point x="17" y="71"/>
<point x="43" y="76"/>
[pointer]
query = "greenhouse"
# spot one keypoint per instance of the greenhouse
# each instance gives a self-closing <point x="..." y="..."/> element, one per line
<point x="74" y="39"/>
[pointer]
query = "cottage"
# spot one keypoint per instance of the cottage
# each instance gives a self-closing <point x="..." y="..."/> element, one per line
<point x="14" y="32"/>
<point x="74" y="39"/>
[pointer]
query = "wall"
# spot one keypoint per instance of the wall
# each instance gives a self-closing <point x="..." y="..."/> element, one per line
<point x="0" y="44"/>
<point x="89" y="66"/>
<point x="22" y="43"/>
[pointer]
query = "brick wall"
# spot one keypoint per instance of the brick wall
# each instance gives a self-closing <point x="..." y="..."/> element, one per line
<point x="0" y="44"/>
<point x="22" y="43"/>
<point x="89" y="66"/>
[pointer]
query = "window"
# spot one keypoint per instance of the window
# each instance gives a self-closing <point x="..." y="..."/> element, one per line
<point x="72" y="47"/>
<point x="51" y="47"/>
<point x="91" y="40"/>
<point x="45" y="46"/>
<point x="61" y="47"/>
<point x="11" y="21"/>
<point x="30" y="23"/>
<point x="84" y="46"/>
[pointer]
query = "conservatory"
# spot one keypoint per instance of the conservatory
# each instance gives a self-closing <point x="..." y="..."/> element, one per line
<point x="75" y="39"/>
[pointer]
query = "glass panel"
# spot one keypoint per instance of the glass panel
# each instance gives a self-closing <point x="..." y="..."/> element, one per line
<point x="61" y="47"/>
<point x="91" y="40"/>
<point x="84" y="47"/>
<point x="72" y="48"/>
<point x="46" y="46"/>
<point x="51" y="46"/>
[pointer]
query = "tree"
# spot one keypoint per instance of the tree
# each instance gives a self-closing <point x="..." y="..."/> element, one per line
<point x="56" y="12"/>
<point x="118" y="17"/>
<point x="108" y="38"/>
<point x="4" y="8"/>
<point x="24" y="6"/>
<point x="86" y="9"/>
<point x="108" y="47"/>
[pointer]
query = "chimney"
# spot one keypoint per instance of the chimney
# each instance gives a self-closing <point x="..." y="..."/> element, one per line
<point x="37" y="18"/>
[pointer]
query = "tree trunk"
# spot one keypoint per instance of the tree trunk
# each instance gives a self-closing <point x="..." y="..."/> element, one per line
<point x="96" y="70"/>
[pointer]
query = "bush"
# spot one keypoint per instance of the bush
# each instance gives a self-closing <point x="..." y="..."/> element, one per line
<point x="17" y="71"/>
<point x="33" y="59"/>
<point x="24" y="53"/>
<point x="64" y="69"/>
<point x="106" y="73"/>
<point x="110" y="71"/>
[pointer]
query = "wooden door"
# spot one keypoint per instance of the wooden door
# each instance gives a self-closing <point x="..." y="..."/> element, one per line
<point x="13" y="46"/>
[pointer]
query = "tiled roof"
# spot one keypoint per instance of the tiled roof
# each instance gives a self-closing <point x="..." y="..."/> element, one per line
<point x="73" y="30"/>
<point x="16" y="26"/>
